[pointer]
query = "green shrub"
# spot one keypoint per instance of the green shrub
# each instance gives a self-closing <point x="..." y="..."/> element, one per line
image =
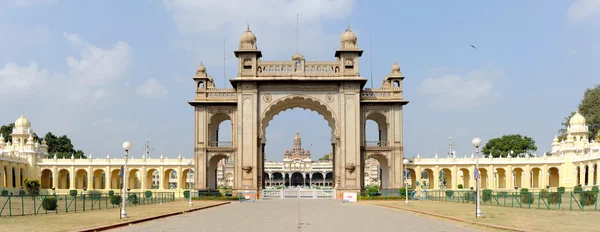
<point x="186" y="194"/>
<point x="449" y="193"/>
<point x="73" y="193"/>
<point x="487" y="195"/>
<point x="32" y="186"/>
<point x="595" y="188"/>
<point x="560" y="189"/>
<point x="555" y="198"/>
<point x="376" y="198"/>
<point x="588" y="197"/>
<point x="115" y="200"/>
<point x="132" y="198"/>
<point x="50" y="203"/>
<point x="544" y="193"/>
<point x="94" y="194"/>
<point x="4" y="192"/>
<point x="577" y="189"/>
<point x="111" y="193"/>
<point x="460" y="186"/>
<point x="526" y="197"/>
<point x="469" y="196"/>
<point x="22" y="192"/>
<point x="402" y="191"/>
<point x="372" y="190"/>
<point x="148" y="194"/>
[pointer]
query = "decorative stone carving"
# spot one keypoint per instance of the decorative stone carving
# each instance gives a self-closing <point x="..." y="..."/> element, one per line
<point x="329" y="97"/>
<point x="247" y="169"/>
<point x="267" y="97"/>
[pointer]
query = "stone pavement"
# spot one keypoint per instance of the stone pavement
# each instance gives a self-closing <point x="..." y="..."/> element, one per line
<point x="306" y="215"/>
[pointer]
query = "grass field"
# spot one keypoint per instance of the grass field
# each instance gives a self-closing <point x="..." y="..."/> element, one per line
<point x="526" y="219"/>
<point x="83" y="220"/>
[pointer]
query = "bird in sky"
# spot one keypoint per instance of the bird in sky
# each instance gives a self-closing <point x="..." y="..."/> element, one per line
<point x="473" y="46"/>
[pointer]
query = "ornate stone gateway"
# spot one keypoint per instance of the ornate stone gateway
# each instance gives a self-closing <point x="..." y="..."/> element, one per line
<point x="334" y="89"/>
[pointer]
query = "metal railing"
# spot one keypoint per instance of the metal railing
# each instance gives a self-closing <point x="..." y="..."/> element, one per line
<point x="376" y="143"/>
<point x="20" y="205"/>
<point x="579" y="200"/>
<point x="220" y="144"/>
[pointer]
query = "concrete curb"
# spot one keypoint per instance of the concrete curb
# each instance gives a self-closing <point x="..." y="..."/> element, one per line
<point x="127" y="223"/>
<point x="492" y="226"/>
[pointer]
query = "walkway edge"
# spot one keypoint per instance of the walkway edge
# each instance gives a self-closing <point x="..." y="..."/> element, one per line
<point x="492" y="226"/>
<point x="127" y="223"/>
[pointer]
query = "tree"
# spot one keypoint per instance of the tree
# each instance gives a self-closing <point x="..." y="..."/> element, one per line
<point x="502" y="147"/>
<point x="32" y="186"/>
<point x="61" y="146"/>
<point x="589" y="107"/>
<point x="325" y="157"/>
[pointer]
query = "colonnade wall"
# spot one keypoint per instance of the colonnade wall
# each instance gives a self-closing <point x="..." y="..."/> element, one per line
<point x="566" y="170"/>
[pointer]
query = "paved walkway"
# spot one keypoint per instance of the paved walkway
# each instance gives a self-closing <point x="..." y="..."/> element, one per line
<point x="283" y="215"/>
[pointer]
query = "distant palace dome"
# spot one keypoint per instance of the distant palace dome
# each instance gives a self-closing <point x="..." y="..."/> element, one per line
<point x="248" y="40"/>
<point x="349" y="39"/>
<point x="577" y="119"/>
<point x="22" y="122"/>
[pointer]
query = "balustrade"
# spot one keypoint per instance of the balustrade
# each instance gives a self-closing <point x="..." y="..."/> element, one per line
<point x="376" y="143"/>
<point x="220" y="144"/>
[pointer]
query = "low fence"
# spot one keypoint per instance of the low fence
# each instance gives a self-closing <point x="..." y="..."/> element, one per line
<point x="549" y="200"/>
<point x="20" y="205"/>
<point x="299" y="193"/>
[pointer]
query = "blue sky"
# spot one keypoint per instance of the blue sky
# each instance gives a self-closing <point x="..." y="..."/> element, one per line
<point x="104" y="72"/>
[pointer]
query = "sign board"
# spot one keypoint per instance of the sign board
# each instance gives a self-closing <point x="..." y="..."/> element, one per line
<point x="350" y="198"/>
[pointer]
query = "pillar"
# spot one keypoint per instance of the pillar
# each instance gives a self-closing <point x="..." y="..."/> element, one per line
<point x="55" y="177"/>
<point x="72" y="177"/>
<point x="107" y="178"/>
<point x="454" y="178"/>
<point x="144" y="178"/>
<point x="581" y="175"/>
<point x="90" y="178"/>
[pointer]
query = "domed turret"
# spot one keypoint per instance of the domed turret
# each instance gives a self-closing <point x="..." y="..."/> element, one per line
<point x="201" y="71"/>
<point x="22" y="122"/>
<point x="248" y="40"/>
<point x="349" y="39"/>
<point x="577" y="119"/>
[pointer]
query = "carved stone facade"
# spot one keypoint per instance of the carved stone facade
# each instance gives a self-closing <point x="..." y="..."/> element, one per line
<point x="263" y="89"/>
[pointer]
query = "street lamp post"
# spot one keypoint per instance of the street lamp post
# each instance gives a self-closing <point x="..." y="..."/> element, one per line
<point x="190" y="180"/>
<point x="477" y="142"/>
<point x="127" y="147"/>
<point x="405" y="161"/>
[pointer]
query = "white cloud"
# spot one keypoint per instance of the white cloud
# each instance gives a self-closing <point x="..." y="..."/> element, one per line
<point x="584" y="10"/>
<point x="204" y="25"/>
<point x="151" y="89"/>
<point x="19" y="81"/>
<point x="88" y="79"/>
<point x="454" y="92"/>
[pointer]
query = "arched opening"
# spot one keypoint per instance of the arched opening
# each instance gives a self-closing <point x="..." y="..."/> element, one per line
<point x="446" y="178"/>
<point x="594" y="174"/>
<point x="216" y="164"/>
<point x="99" y="181"/>
<point x="411" y="178"/>
<point x="372" y="173"/>
<point x="427" y="179"/>
<point x="536" y="175"/>
<point x="116" y="179"/>
<point x="383" y="171"/>
<point x="187" y="178"/>
<point x="170" y="179"/>
<point x="376" y="130"/>
<point x="518" y="175"/>
<point x="500" y="177"/>
<point x="220" y="130"/>
<point x="81" y="176"/>
<point x="22" y="176"/>
<point x="577" y="175"/>
<point x="465" y="176"/>
<point x="329" y="179"/>
<point x="133" y="179"/>
<point x="297" y="180"/>
<point x="553" y="177"/>
<point x="586" y="175"/>
<point x="318" y="179"/>
<point x="200" y="85"/>
<point x="152" y="179"/>
<point x="396" y="84"/>
<point x="317" y="135"/>
<point x="46" y="182"/>
<point x="64" y="179"/>
<point x="483" y="175"/>
<point x="14" y="178"/>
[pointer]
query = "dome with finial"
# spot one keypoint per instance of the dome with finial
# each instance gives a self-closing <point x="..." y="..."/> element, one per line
<point x="297" y="136"/>
<point x="22" y="122"/>
<point x="248" y="39"/>
<point x="577" y="119"/>
<point x="395" y="67"/>
<point x="349" y="39"/>
<point x="201" y="70"/>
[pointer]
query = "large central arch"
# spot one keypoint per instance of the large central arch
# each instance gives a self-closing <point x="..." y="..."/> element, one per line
<point x="263" y="89"/>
